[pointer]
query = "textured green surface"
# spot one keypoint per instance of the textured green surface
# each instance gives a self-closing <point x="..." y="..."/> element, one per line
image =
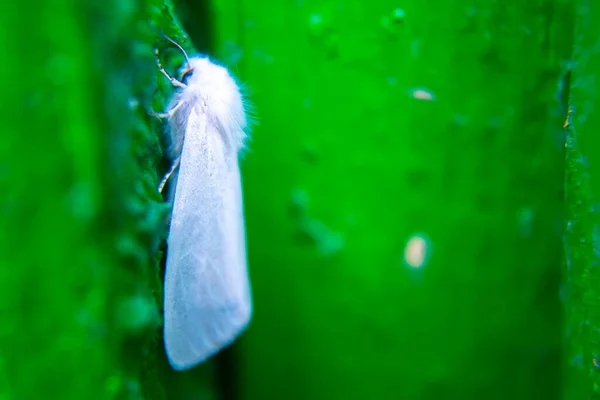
<point x="346" y="166"/>
<point x="582" y="194"/>
<point x="80" y="218"/>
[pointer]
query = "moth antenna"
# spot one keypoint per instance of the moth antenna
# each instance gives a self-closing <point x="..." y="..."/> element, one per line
<point x="187" y="59"/>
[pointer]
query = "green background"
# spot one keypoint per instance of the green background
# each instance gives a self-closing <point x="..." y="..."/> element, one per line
<point x="345" y="165"/>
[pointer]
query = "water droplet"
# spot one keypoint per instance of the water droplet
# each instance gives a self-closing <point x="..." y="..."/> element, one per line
<point x="417" y="251"/>
<point x="316" y="24"/>
<point x="327" y="241"/>
<point x="422" y="94"/>
<point x="389" y="21"/>
<point x="398" y="15"/>
<point x="137" y="313"/>
<point x="316" y="19"/>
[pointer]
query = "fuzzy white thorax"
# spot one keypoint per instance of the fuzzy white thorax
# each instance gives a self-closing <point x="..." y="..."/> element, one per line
<point x="212" y="87"/>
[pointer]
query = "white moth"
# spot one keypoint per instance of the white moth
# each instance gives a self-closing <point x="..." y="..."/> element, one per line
<point x="207" y="292"/>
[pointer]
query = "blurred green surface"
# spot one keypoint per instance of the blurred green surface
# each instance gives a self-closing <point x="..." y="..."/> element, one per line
<point x="343" y="142"/>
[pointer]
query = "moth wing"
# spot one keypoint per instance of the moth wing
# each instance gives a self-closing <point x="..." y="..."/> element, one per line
<point x="207" y="292"/>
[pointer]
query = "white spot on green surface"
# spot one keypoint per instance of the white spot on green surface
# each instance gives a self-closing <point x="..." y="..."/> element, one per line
<point x="417" y="251"/>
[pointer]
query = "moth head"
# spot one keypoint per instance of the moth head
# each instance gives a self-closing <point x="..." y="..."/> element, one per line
<point x="211" y="81"/>
<point x="218" y="92"/>
<point x="200" y="69"/>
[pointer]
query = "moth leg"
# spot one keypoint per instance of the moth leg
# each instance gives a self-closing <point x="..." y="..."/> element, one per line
<point x="174" y="81"/>
<point x="167" y="114"/>
<point x="168" y="175"/>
